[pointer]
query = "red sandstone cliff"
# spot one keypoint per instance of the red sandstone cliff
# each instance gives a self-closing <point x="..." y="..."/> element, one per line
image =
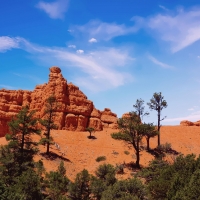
<point x="75" y="111"/>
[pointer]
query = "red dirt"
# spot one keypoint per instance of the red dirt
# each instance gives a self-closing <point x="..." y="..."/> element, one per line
<point x="80" y="152"/>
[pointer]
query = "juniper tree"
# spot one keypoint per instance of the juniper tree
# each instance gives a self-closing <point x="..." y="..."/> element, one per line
<point x="130" y="132"/>
<point x="149" y="131"/>
<point x="157" y="103"/>
<point x="90" y="130"/>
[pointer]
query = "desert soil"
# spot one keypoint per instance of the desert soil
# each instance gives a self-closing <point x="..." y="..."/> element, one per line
<point x="79" y="152"/>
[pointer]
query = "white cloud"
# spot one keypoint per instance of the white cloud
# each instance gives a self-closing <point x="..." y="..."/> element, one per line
<point x="80" y="51"/>
<point x="161" y="64"/>
<point x="180" y="30"/>
<point x="190" y="109"/>
<point x="54" y="10"/>
<point x="163" y="7"/>
<point x="192" y="117"/>
<point x="97" y="70"/>
<point x="7" y="43"/>
<point x="102" y="30"/>
<point x="72" y="46"/>
<point x="92" y="40"/>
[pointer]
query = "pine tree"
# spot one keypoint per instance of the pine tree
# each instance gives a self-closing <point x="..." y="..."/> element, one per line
<point x="80" y="189"/>
<point x="48" y="121"/>
<point x="21" y="128"/>
<point x="57" y="183"/>
<point x="157" y="103"/>
<point x="16" y="159"/>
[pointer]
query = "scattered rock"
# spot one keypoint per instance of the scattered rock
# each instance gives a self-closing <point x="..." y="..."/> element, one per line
<point x="186" y="123"/>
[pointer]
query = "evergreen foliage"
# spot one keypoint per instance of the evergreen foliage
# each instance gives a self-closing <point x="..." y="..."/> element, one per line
<point x="56" y="183"/>
<point x="157" y="103"/>
<point x="51" y="107"/>
<point x="177" y="181"/>
<point x="80" y="189"/>
<point x="148" y="131"/>
<point x="90" y="130"/>
<point x="21" y="128"/>
<point x="131" y="131"/>
<point x="131" y="189"/>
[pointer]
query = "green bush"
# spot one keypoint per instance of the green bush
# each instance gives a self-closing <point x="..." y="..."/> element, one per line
<point x="127" y="152"/>
<point x="100" y="158"/>
<point x="164" y="147"/>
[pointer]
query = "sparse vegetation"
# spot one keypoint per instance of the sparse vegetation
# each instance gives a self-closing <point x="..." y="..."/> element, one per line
<point x="100" y="158"/>
<point x="126" y="152"/>
<point x="119" y="168"/>
<point x="90" y="130"/>
<point x="23" y="178"/>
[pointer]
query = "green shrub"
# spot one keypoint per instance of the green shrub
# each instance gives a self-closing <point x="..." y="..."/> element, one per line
<point x="164" y="147"/>
<point x="100" y="158"/>
<point x="127" y="152"/>
<point x="119" y="168"/>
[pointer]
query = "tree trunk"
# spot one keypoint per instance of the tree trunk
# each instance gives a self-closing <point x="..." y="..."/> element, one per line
<point x="48" y="133"/>
<point x="138" y="154"/>
<point x="158" y="127"/>
<point x="148" y="143"/>
<point x="137" y="158"/>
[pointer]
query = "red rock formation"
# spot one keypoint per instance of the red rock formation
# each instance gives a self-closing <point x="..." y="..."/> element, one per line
<point x="108" y="118"/>
<point x="189" y="123"/>
<point x="75" y="111"/>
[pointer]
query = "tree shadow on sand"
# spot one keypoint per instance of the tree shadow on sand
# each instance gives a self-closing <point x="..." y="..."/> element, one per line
<point x="91" y="137"/>
<point x="54" y="156"/>
<point x="159" y="153"/>
<point x="132" y="166"/>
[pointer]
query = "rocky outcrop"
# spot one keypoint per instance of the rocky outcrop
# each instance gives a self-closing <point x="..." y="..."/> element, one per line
<point x="108" y="118"/>
<point x="75" y="111"/>
<point x="189" y="123"/>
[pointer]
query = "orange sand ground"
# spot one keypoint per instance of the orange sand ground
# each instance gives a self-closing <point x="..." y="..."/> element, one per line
<point x="81" y="152"/>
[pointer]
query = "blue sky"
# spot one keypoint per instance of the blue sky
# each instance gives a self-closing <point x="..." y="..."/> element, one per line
<point x="116" y="51"/>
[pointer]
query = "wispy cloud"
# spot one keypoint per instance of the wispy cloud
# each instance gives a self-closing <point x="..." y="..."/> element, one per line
<point x="30" y="77"/>
<point x="159" y="63"/>
<point x="80" y="51"/>
<point x="195" y="116"/>
<point x="7" y="87"/>
<point x="164" y="8"/>
<point x="193" y="108"/>
<point x="7" y="43"/>
<point x="54" y="10"/>
<point x="92" y="40"/>
<point x="180" y="29"/>
<point x="72" y="46"/>
<point x="102" y="69"/>
<point x="102" y="30"/>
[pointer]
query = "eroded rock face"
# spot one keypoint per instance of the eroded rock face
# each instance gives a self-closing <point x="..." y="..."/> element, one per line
<point x="75" y="111"/>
